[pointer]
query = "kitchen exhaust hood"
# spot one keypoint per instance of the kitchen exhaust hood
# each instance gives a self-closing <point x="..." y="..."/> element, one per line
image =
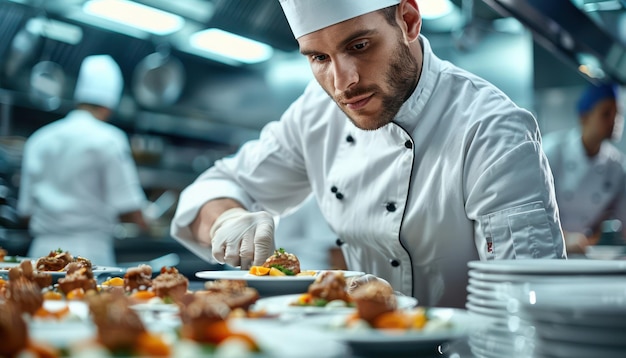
<point x="572" y="35"/>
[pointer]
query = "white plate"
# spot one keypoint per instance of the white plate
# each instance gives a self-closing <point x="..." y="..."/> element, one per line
<point x="487" y="302"/>
<point x="486" y="311"/>
<point x="97" y="272"/>
<point x="155" y="307"/>
<point x="609" y="337"/>
<point x="289" y="339"/>
<point x="372" y="342"/>
<point x="549" y="266"/>
<point x="480" y="292"/>
<point x="499" y="280"/>
<point x="61" y="333"/>
<point x="8" y="265"/>
<point x="605" y="252"/>
<point x="282" y="304"/>
<point x="484" y="285"/>
<point x="78" y="309"/>
<point x="269" y="285"/>
<point x="600" y="303"/>
<point x="573" y="350"/>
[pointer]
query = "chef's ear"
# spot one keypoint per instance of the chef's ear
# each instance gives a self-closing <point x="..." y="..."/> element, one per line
<point x="411" y="19"/>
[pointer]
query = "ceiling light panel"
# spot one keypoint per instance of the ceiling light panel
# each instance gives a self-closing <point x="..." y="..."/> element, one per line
<point x="135" y="15"/>
<point x="219" y="44"/>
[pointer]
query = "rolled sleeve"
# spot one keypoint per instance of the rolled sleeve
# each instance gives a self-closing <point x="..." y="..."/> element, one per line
<point x="519" y="232"/>
<point x="197" y="194"/>
<point x="514" y="207"/>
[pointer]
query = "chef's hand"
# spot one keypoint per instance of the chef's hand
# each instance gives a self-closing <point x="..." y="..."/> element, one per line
<point x="576" y="242"/>
<point x="358" y="281"/>
<point x="242" y="238"/>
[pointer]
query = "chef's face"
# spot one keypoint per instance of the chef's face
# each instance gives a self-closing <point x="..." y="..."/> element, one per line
<point x="599" y="122"/>
<point x="365" y="66"/>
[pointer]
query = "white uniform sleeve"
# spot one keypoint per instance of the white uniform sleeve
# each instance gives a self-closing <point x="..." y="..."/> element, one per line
<point x="244" y="177"/>
<point x="510" y="193"/>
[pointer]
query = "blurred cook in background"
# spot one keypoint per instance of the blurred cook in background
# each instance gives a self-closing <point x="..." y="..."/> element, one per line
<point x="78" y="178"/>
<point x="588" y="169"/>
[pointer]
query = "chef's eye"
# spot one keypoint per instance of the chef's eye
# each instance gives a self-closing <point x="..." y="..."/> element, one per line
<point x="318" y="58"/>
<point x="360" y="45"/>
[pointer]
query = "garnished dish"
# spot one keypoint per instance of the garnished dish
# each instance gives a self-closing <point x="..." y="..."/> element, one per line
<point x="281" y="263"/>
<point x="76" y="316"/>
<point x="380" y="324"/>
<point x="144" y="313"/>
<point x="280" y="274"/>
<point x="328" y="294"/>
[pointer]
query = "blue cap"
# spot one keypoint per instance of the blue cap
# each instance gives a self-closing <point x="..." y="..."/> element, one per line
<point x="594" y="94"/>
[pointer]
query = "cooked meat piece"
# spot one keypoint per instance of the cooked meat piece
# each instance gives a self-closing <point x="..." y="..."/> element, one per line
<point x="374" y="298"/>
<point x="77" y="277"/>
<point x="119" y="326"/>
<point x="25" y="295"/>
<point x="235" y="293"/>
<point x="330" y="285"/>
<point x="170" y="283"/>
<point x="13" y="330"/>
<point x="138" y="278"/>
<point x="284" y="260"/>
<point x="50" y="264"/>
<point x="25" y="271"/>
<point x="73" y="267"/>
<point x="84" y="262"/>
<point x="198" y="314"/>
<point x="42" y="279"/>
<point x="225" y="286"/>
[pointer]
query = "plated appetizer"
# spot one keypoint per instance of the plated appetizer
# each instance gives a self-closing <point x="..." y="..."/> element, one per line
<point x="281" y="263"/>
<point x="329" y="288"/>
<point x="377" y="308"/>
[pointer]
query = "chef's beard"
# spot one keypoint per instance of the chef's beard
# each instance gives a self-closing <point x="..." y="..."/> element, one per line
<point x="401" y="80"/>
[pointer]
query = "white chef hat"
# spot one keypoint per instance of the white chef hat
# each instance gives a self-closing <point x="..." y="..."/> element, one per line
<point x="306" y="16"/>
<point x="100" y="82"/>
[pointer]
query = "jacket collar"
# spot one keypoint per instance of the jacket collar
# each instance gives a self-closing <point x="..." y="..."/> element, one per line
<point x="408" y="115"/>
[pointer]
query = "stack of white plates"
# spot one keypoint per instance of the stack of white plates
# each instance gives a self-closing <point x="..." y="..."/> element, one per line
<point x="497" y="289"/>
<point x="576" y="321"/>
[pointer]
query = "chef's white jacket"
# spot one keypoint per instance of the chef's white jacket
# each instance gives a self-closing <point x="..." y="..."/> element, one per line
<point x="78" y="175"/>
<point x="588" y="189"/>
<point x="459" y="175"/>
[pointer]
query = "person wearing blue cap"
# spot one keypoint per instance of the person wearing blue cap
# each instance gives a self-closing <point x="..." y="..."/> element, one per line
<point x="78" y="176"/>
<point x="417" y="165"/>
<point x="588" y="169"/>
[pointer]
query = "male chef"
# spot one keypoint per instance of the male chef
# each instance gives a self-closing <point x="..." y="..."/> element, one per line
<point x="417" y="165"/>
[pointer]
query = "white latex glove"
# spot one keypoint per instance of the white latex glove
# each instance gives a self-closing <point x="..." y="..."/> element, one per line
<point x="576" y="242"/>
<point x="242" y="238"/>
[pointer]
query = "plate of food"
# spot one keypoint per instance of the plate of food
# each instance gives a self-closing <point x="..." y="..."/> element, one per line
<point x="429" y="328"/>
<point x="280" y="274"/>
<point x="302" y="303"/>
<point x="271" y="285"/>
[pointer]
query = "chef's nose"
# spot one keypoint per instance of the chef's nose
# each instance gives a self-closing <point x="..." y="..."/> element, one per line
<point x="345" y="72"/>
